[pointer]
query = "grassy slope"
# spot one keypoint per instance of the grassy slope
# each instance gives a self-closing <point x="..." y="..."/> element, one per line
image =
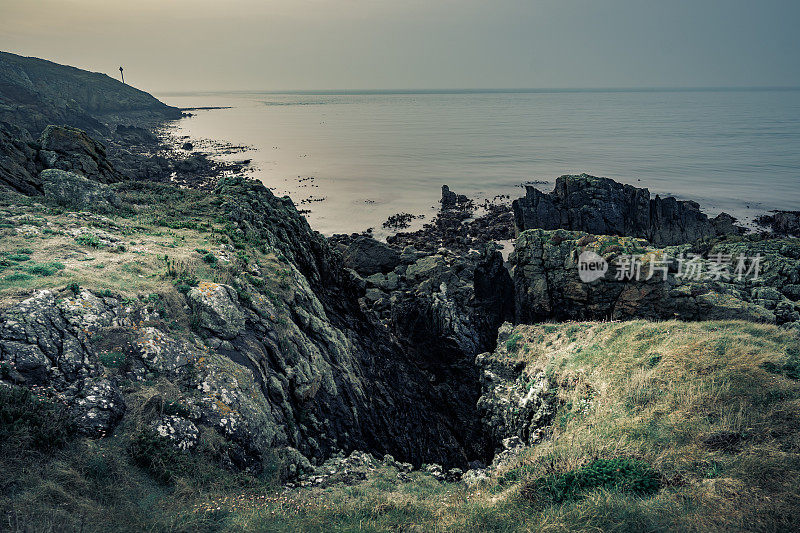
<point x="654" y="392"/>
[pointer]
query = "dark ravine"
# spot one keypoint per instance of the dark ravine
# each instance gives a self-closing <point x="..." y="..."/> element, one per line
<point x="321" y="346"/>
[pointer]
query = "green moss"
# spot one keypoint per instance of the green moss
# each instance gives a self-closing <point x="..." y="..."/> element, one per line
<point x="512" y="343"/>
<point x="116" y="360"/>
<point x="18" y="276"/>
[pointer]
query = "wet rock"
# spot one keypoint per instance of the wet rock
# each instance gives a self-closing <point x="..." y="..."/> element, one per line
<point x="451" y="200"/>
<point x="782" y="222"/>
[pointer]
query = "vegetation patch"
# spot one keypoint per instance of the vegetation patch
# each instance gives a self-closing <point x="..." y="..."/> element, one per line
<point x="31" y="422"/>
<point x="45" y="269"/>
<point x="619" y="474"/>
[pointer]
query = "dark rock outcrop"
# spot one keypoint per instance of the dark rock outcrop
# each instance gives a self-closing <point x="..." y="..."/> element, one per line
<point x="71" y="149"/>
<point x="782" y="222"/>
<point x="19" y="163"/>
<point x="548" y="285"/>
<point x="451" y="200"/>
<point x="602" y="206"/>
<point x="44" y="342"/>
<point x="368" y="256"/>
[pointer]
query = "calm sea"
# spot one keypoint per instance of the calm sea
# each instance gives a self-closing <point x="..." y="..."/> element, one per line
<point x="373" y="154"/>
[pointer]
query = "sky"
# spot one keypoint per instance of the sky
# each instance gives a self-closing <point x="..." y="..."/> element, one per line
<point x="197" y="45"/>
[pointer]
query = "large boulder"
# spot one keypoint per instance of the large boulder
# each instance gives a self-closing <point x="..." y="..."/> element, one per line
<point x="216" y="308"/>
<point x="602" y="206"/>
<point x="74" y="191"/>
<point x="782" y="222"/>
<point x="71" y="149"/>
<point x="367" y="256"/>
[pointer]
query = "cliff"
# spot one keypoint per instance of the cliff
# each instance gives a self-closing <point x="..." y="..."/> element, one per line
<point x="35" y="93"/>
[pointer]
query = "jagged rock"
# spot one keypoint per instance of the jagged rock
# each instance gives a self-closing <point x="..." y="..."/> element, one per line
<point x="782" y="222"/>
<point x="76" y="192"/>
<point x="451" y="200"/>
<point x="73" y="150"/>
<point x="548" y="285"/>
<point x="367" y="256"/>
<point x="45" y="345"/>
<point x="19" y="166"/>
<point x="602" y="206"/>
<point x="513" y="405"/>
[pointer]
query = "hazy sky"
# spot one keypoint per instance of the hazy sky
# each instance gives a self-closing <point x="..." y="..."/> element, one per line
<point x="176" y="45"/>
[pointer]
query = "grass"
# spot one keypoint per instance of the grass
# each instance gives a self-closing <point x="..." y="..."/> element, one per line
<point x="703" y="439"/>
<point x="156" y="221"/>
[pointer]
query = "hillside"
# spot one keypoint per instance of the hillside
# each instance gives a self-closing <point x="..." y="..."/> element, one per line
<point x="35" y="93"/>
<point x="654" y="426"/>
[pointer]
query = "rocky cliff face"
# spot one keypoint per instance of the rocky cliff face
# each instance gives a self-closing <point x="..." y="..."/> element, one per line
<point x="604" y="207"/>
<point x="282" y="357"/>
<point x="35" y="93"/>
<point x="548" y="285"/>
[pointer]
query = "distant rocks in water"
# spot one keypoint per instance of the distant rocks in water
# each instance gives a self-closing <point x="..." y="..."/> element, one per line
<point x="451" y="200"/>
<point x="400" y="221"/>
<point x="602" y="206"/>
<point x="782" y="222"/>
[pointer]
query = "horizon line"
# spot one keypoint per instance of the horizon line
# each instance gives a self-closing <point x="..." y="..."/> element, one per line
<point x="523" y="90"/>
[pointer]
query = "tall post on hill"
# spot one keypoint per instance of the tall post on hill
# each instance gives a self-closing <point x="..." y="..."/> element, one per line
<point x="122" y="75"/>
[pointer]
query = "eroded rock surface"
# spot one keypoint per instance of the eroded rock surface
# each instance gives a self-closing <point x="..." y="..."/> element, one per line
<point x="602" y="206"/>
<point x="548" y="286"/>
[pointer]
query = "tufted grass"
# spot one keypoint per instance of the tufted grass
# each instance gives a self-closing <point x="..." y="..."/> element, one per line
<point x="661" y="427"/>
